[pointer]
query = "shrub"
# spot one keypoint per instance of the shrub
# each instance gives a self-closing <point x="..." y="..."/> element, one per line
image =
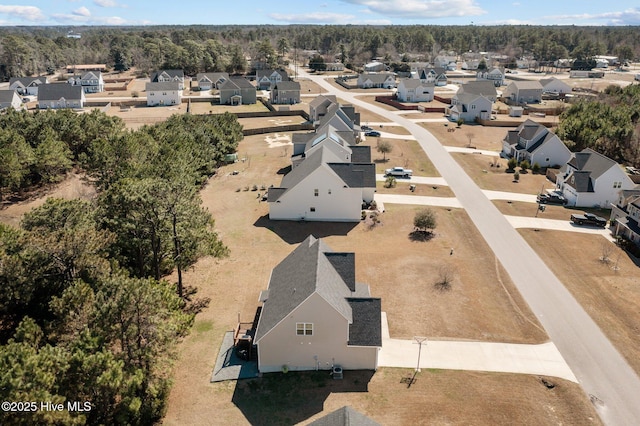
<point x="390" y="182"/>
<point x="535" y="168"/>
<point x="524" y="165"/>
<point x="460" y="122"/>
<point x="512" y="163"/>
<point x="516" y="176"/>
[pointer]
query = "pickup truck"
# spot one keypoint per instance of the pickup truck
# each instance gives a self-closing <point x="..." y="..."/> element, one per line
<point x="588" y="219"/>
<point x="398" y="171"/>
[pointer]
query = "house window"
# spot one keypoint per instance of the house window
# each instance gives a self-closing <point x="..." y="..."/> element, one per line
<point x="304" y="329"/>
<point x="312" y="209"/>
<point x="473" y="107"/>
<point x="315" y="193"/>
<point x="617" y="184"/>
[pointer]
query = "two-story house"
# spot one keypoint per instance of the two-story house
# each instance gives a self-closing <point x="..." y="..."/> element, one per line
<point x="435" y="75"/>
<point x="163" y="93"/>
<point x="368" y="80"/>
<point x="60" y="95"/>
<point x="473" y="100"/>
<point x="237" y="91"/>
<point x="267" y="79"/>
<point x="166" y="76"/>
<point x="496" y="75"/>
<point x="625" y="216"/>
<point x="211" y="80"/>
<point x="535" y="143"/>
<point x="413" y="90"/>
<point x="9" y="99"/>
<point x="316" y="316"/>
<point x="91" y="82"/>
<point x="285" y="93"/>
<point x="590" y="179"/>
<point x="524" y="92"/>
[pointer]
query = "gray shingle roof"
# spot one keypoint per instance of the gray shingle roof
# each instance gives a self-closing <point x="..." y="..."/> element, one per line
<point x="322" y="99"/>
<point x="361" y="154"/>
<point x="237" y="83"/>
<point x="485" y="88"/>
<point x="376" y="78"/>
<point x="527" y="85"/>
<point x="6" y="96"/>
<point x="591" y="161"/>
<point x="345" y="416"/>
<point x="163" y="85"/>
<point x="581" y="181"/>
<point x="170" y="73"/>
<point x="26" y="81"/>
<point x="356" y="175"/>
<point x="366" y="328"/>
<point x="268" y="72"/>
<point x="288" y="85"/>
<point x="55" y="91"/>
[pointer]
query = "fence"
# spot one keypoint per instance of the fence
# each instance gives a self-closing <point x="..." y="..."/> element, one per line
<point x="443" y="100"/>
<point x="278" y="129"/>
<point x="389" y="100"/>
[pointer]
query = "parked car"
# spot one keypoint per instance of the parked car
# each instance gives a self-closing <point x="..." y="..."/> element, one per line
<point x="372" y="133"/>
<point x="365" y="128"/>
<point x="588" y="219"/>
<point x="552" y="198"/>
<point x="398" y="172"/>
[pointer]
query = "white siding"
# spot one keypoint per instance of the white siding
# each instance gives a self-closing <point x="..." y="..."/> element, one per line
<point x="164" y="97"/>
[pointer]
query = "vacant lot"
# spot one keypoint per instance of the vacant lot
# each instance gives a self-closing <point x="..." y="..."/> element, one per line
<point x="479" y="168"/>
<point x="404" y="152"/>
<point x="402" y="188"/>
<point x="608" y="290"/>
<point x="480" y="137"/>
<point x="552" y="211"/>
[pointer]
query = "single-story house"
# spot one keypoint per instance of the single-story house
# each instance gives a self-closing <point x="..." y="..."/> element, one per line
<point x="60" y="95"/>
<point x="625" y="216"/>
<point x="27" y="85"/>
<point x="524" y="92"/>
<point x="9" y="99"/>
<point x="316" y="316"/>
<point x="553" y="85"/>
<point x="590" y="179"/>
<point x="535" y="143"/>
<point x="267" y="79"/>
<point x="211" y="80"/>
<point x="286" y="92"/>
<point x="91" y="82"/>
<point x="334" y="66"/>
<point x="165" y="76"/>
<point x="164" y="93"/>
<point x="237" y="91"/>
<point x="413" y="90"/>
<point x="368" y="80"/>
<point x="374" y="67"/>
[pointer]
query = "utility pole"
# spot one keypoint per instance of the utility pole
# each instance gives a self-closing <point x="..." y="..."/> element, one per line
<point x="420" y="340"/>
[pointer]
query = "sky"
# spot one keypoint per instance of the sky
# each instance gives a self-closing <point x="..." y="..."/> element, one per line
<point x="284" y="12"/>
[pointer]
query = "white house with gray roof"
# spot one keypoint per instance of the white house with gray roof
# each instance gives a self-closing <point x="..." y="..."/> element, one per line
<point x="9" y="98"/>
<point x="60" y="95"/>
<point x="413" y="90"/>
<point x="625" y="216"/>
<point x="27" y="85"/>
<point x="164" y="93"/>
<point x="285" y="93"/>
<point x="91" y="81"/>
<point x="368" y="80"/>
<point x="473" y="100"/>
<point x="590" y="179"/>
<point x="535" y="143"/>
<point x="211" y="80"/>
<point x="166" y="76"/>
<point x="316" y="315"/>
<point x="524" y="92"/>
<point x="554" y="85"/>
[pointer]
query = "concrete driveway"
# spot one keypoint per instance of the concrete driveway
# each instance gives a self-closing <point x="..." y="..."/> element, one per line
<point x="418" y="200"/>
<point x="425" y="180"/>
<point x="543" y="359"/>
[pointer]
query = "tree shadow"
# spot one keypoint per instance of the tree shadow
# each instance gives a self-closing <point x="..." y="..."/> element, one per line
<point x="294" y="232"/>
<point x="291" y="398"/>
<point x="380" y="160"/>
<point x="421" y="236"/>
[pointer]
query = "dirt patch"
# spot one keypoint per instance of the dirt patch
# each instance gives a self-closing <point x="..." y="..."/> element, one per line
<point x="402" y="188"/>
<point x="479" y="168"/>
<point x="405" y="152"/>
<point x="73" y="186"/>
<point x="609" y="291"/>
<point x="480" y="137"/>
<point x="551" y="211"/>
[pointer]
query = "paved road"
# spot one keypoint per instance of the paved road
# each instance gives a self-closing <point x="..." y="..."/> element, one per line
<point x="543" y="359"/>
<point x="603" y="373"/>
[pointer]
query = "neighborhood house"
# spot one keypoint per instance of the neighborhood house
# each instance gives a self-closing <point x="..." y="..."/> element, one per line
<point x="165" y="93"/>
<point x="27" y="85"/>
<point x="60" y="95"/>
<point x="368" y="80"/>
<point x="412" y="90"/>
<point x="167" y="76"/>
<point x="316" y="316"/>
<point x="535" y="143"/>
<point x="625" y="216"/>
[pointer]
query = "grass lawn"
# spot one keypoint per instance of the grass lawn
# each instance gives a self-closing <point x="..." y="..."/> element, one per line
<point x="478" y="167"/>
<point x="480" y="137"/>
<point x="610" y="296"/>
<point x="402" y="188"/>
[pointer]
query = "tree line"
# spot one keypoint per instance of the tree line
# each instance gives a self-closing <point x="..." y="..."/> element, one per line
<point x="609" y="124"/>
<point x="36" y="50"/>
<point x="85" y="313"/>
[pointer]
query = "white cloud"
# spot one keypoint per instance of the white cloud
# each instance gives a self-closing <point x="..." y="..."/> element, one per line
<point x="421" y="9"/>
<point x="105" y="3"/>
<point x="64" y="18"/>
<point x="315" y="18"/>
<point x="27" y="13"/>
<point x="83" y="11"/>
<point x="627" y="17"/>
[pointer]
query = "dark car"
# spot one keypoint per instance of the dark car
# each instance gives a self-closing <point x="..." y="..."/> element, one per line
<point x="552" y="198"/>
<point x="365" y="128"/>
<point x="372" y="133"/>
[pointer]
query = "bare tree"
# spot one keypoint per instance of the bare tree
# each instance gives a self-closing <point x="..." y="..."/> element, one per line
<point x="469" y="136"/>
<point x="384" y="147"/>
<point x="606" y="252"/>
<point x="446" y="275"/>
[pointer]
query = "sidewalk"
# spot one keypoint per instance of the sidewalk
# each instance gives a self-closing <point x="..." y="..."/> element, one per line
<point x="543" y="359"/>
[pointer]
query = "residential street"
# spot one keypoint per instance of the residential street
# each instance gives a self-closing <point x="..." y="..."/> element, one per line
<point x="603" y="373"/>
